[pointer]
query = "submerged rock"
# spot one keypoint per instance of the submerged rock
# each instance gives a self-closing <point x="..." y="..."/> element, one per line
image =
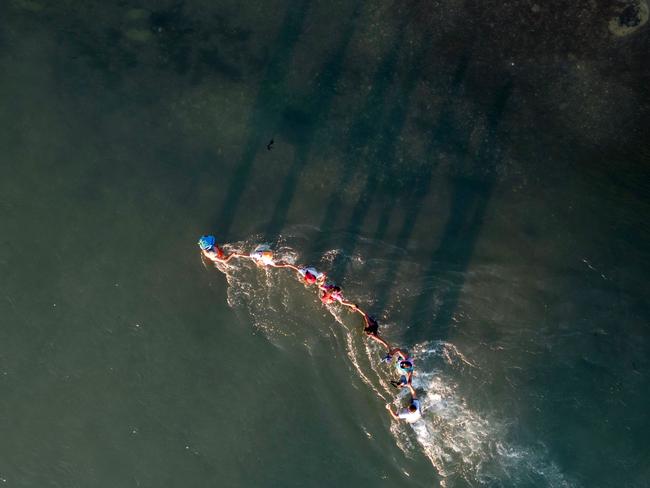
<point x="137" y="14"/>
<point x="632" y="16"/>
<point x="138" y="35"/>
<point x="31" y="5"/>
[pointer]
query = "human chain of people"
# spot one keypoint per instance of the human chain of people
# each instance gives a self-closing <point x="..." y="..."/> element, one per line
<point x="330" y="293"/>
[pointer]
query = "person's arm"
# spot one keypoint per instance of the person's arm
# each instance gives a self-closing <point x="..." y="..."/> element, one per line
<point x="412" y="390"/>
<point x="380" y="340"/>
<point x="359" y="311"/>
<point x="243" y="256"/>
<point x="283" y="265"/>
<point x="339" y="298"/>
<point x="212" y="256"/>
<point x="398" y="351"/>
<point x="233" y="255"/>
<point x="355" y="308"/>
<point x="390" y="411"/>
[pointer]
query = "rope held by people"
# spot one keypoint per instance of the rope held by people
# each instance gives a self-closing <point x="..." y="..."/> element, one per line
<point x="329" y="293"/>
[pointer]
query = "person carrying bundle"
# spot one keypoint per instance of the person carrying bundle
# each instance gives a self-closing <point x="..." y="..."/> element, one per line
<point x="213" y="252"/>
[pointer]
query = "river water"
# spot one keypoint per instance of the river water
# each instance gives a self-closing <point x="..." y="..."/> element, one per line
<point x="474" y="176"/>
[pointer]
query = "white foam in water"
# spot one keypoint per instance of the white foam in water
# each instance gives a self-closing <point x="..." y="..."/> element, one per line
<point x="353" y="354"/>
<point x="463" y="445"/>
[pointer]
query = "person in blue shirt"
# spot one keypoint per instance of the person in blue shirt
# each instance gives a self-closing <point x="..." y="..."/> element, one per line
<point x="404" y="367"/>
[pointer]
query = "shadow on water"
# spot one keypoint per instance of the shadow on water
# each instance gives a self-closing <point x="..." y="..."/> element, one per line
<point x="265" y="110"/>
<point x="420" y="187"/>
<point x="469" y="201"/>
<point x="377" y="174"/>
<point x="312" y="111"/>
<point x="362" y="132"/>
<point x="420" y="183"/>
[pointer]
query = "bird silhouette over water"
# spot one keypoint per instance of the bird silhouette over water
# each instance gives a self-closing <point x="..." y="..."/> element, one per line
<point x="270" y="144"/>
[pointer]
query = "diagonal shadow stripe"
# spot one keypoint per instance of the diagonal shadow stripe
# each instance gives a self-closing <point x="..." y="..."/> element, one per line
<point x="420" y="189"/>
<point x="265" y="110"/>
<point x="318" y="108"/>
<point x="469" y="201"/>
<point x="362" y="132"/>
<point x="385" y="151"/>
<point x="443" y="123"/>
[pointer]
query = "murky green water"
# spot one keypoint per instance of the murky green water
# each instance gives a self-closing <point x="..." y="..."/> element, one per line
<point x="475" y="176"/>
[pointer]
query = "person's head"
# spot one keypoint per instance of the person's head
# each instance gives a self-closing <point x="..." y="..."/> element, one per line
<point x="412" y="408"/>
<point x="406" y="364"/>
<point x="207" y="242"/>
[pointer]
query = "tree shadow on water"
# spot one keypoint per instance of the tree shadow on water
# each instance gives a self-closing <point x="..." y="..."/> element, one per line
<point x="303" y="123"/>
<point x="420" y="187"/>
<point x="469" y="200"/>
<point x="382" y="159"/>
<point x="420" y="183"/>
<point x="362" y="132"/>
<point x="264" y="111"/>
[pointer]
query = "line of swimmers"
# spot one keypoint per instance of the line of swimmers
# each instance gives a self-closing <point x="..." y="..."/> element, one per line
<point x="330" y="293"/>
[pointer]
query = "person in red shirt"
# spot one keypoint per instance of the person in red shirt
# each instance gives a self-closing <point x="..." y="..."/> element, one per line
<point x="331" y="293"/>
<point x="311" y="276"/>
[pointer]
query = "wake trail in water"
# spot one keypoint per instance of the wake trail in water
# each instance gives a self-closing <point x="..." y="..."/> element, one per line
<point x="465" y="447"/>
<point x="468" y="448"/>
